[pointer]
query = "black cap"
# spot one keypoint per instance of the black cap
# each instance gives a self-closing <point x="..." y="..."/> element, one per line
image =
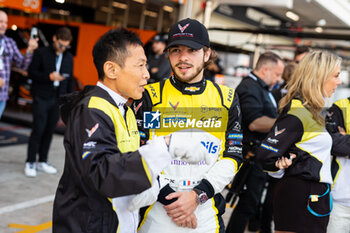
<point x="161" y="37"/>
<point x="188" y="32"/>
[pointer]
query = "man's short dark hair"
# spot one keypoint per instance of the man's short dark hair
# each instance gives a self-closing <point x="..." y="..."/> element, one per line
<point x="267" y="57"/>
<point x="64" y="33"/>
<point x="112" y="46"/>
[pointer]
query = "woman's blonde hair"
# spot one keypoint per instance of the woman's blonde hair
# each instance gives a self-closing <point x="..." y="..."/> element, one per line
<point x="308" y="79"/>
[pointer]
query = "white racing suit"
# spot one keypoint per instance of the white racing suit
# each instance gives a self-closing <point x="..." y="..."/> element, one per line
<point x="201" y="107"/>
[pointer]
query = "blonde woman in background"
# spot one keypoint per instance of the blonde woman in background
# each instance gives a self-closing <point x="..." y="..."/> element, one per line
<point x="298" y="148"/>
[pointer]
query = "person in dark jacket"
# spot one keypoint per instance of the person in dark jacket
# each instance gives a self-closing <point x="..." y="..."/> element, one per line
<point x="259" y="113"/>
<point x="104" y="166"/>
<point x="52" y="73"/>
<point x="298" y="148"/>
<point x="158" y="63"/>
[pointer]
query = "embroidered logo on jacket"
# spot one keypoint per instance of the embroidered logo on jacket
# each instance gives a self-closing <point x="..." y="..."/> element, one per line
<point x="192" y="89"/>
<point x="136" y="108"/>
<point x="278" y="132"/>
<point x="174" y="106"/>
<point x="92" y="131"/>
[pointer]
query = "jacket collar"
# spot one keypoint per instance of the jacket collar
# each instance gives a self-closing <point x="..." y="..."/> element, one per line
<point x="189" y="88"/>
<point x="258" y="80"/>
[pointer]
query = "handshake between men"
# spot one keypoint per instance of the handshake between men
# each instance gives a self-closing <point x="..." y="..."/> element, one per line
<point x="188" y="146"/>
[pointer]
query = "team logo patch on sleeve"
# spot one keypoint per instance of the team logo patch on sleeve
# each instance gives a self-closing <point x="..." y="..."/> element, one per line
<point x="142" y="134"/>
<point x="92" y="131"/>
<point x="235" y="136"/>
<point x="267" y="147"/>
<point x="85" y="154"/>
<point x="278" y="132"/>
<point x="151" y="120"/>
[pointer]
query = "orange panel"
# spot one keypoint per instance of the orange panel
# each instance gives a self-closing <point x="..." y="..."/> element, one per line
<point x="84" y="68"/>
<point x="145" y="35"/>
<point x="24" y="5"/>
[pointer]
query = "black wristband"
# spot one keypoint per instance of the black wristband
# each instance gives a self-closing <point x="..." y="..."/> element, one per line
<point x="165" y="191"/>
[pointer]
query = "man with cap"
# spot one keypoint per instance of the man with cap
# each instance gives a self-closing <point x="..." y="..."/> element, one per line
<point x="158" y="64"/>
<point x="187" y="103"/>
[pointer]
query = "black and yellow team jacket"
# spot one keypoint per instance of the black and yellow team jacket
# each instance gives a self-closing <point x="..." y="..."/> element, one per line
<point x="295" y="131"/>
<point x="339" y="115"/>
<point x="204" y="106"/>
<point x="101" y="162"/>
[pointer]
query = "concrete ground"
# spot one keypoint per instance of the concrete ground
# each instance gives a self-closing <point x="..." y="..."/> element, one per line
<point x="26" y="203"/>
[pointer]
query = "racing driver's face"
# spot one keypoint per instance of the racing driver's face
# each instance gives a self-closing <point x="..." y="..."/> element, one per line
<point x="187" y="63"/>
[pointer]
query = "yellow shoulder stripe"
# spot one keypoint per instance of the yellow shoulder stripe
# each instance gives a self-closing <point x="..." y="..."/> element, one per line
<point x="227" y="95"/>
<point x="311" y="127"/>
<point x="154" y="92"/>
<point x="101" y="104"/>
<point x="344" y="105"/>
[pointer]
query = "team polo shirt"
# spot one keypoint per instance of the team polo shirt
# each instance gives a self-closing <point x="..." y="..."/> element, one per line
<point x="256" y="101"/>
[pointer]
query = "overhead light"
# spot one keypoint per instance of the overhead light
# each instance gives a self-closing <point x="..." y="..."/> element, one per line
<point x="151" y="13"/>
<point x="14" y="27"/>
<point x="168" y="8"/>
<point x="261" y="17"/>
<point x="292" y="15"/>
<point x="119" y="5"/>
<point x="59" y="1"/>
<point x="140" y="1"/>
<point x="321" y="22"/>
<point x="318" y="29"/>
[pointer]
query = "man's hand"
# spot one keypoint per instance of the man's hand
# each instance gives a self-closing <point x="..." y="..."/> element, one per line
<point x="2" y="82"/>
<point x="341" y="130"/>
<point x="183" y="208"/>
<point x="55" y="76"/>
<point x="32" y="45"/>
<point x="190" y="222"/>
<point x="284" y="162"/>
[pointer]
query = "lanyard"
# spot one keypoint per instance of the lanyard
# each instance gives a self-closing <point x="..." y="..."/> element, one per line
<point x="58" y="67"/>
<point x="273" y="101"/>
<point x="59" y="62"/>
<point x="314" y="198"/>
